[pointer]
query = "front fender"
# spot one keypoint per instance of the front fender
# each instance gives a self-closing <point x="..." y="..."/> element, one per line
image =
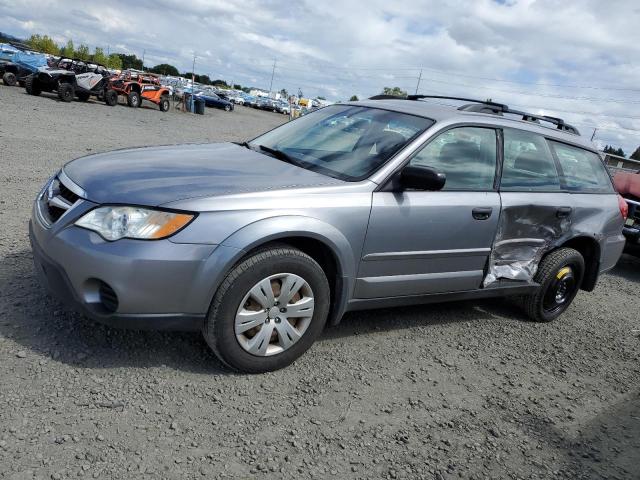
<point x="234" y="247"/>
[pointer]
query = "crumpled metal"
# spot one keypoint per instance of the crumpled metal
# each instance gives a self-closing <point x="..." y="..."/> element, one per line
<point x="524" y="235"/>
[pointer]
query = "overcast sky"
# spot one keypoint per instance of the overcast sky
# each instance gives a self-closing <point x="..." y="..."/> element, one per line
<point x="579" y="60"/>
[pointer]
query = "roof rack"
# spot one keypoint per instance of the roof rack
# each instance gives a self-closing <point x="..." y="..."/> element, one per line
<point x="488" y="106"/>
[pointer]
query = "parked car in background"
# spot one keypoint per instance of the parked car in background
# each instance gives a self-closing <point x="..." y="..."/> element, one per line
<point x="628" y="185"/>
<point x="360" y="205"/>
<point x="214" y="100"/>
<point x="250" y="101"/>
<point x="282" y="107"/>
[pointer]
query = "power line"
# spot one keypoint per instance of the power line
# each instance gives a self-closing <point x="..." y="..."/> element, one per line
<point x="521" y="82"/>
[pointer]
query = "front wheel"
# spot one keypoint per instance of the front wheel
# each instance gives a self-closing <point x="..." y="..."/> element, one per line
<point x="268" y="311"/>
<point x="227" y="108"/>
<point x="9" y="79"/>
<point x="560" y="276"/>
<point x="66" y="92"/>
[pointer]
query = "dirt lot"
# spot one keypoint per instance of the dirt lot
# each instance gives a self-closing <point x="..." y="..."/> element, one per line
<point x="466" y="390"/>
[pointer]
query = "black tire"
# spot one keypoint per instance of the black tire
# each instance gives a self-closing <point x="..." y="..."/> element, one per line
<point x="164" y="103"/>
<point x="111" y="97"/>
<point x="66" y="92"/>
<point x="83" y="96"/>
<point x="31" y="85"/>
<point x="564" y="266"/>
<point x="219" y="327"/>
<point x="133" y="99"/>
<point x="227" y="108"/>
<point x="9" y="79"/>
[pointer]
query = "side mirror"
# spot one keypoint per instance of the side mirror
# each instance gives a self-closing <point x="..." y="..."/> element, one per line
<point x="422" y="178"/>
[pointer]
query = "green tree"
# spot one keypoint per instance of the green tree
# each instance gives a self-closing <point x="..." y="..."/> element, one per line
<point x="636" y="154"/>
<point x="130" y="61"/>
<point x="83" y="52"/>
<point x="204" y="79"/>
<point x="284" y="93"/>
<point x="354" y="98"/>
<point x="220" y="83"/>
<point x="68" y="50"/>
<point x="99" y="56"/>
<point x="237" y="86"/>
<point x="114" y="62"/>
<point x="395" y="91"/>
<point x="165" y="69"/>
<point x="44" y="44"/>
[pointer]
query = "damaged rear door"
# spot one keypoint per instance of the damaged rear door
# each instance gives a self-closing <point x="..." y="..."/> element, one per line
<point x="536" y="212"/>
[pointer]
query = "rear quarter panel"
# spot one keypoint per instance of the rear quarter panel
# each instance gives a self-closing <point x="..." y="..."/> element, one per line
<point x="598" y="216"/>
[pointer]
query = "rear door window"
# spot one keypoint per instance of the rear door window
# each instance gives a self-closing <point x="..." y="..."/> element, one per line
<point x="528" y="163"/>
<point x="582" y="170"/>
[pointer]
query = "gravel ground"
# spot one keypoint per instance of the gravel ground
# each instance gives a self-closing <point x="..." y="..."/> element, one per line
<point x="465" y="390"/>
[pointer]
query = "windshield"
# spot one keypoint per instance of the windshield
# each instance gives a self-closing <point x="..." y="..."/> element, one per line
<point x="344" y="141"/>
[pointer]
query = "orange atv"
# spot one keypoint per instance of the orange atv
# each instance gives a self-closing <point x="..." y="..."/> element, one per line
<point x="138" y="86"/>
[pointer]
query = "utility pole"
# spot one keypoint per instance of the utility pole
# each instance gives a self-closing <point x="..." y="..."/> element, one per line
<point x="143" y="53"/>
<point x="419" y="78"/>
<point x="193" y="71"/>
<point x="273" y="71"/>
<point x="594" y="133"/>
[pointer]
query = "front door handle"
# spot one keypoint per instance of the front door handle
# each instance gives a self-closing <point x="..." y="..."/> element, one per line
<point x="482" y="213"/>
<point x="564" y="212"/>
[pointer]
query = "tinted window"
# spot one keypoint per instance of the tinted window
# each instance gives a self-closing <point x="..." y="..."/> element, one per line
<point x="467" y="155"/>
<point x="528" y="163"/>
<point x="582" y="171"/>
<point x="344" y="141"/>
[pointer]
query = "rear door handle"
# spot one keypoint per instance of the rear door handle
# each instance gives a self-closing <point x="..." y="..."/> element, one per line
<point x="564" y="212"/>
<point x="482" y="213"/>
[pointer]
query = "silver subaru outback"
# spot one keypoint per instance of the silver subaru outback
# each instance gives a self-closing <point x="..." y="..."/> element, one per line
<point x="359" y="205"/>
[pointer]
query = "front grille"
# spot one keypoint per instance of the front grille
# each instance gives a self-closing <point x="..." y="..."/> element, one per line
<point x="108" y="298"/>
<point x="55" y="200"/>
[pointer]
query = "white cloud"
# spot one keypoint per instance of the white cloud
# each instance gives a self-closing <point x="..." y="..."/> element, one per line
<point x="340" y="48"/>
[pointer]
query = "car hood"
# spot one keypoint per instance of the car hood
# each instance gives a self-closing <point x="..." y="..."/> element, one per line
<point x="158" y="175"/>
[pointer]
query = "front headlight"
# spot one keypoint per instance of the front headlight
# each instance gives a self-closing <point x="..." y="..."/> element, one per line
<point x="115" y="222"/>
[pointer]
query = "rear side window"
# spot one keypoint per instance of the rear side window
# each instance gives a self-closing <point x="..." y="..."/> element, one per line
<point x="528" y="163"/>
<point x="582" y="170"/>
<point x="466" y="155"/>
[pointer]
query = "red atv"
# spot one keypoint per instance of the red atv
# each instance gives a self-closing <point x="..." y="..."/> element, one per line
<point x="138" y="86"/>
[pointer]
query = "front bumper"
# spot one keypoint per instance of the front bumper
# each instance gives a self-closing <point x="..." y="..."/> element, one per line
<point x="159" y="284"/>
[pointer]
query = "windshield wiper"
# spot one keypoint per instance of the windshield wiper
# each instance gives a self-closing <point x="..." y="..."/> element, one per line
<point x="280" y="155"/>
<point x="243" y="144"/>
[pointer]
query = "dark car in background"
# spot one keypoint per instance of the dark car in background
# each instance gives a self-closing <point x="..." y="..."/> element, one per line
<point x="213" y="100"/>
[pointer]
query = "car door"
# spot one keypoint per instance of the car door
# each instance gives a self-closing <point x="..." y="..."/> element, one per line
<point x="422" y="242"/>
<point x="536" y="211"/>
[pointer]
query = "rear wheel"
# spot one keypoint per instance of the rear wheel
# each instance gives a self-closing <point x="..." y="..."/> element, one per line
<point x="268" y="311"/>
<point x="560" y="276"/>
<point x="111" y="97"/>
<point x="133" y="99"/>
<point x="9" y="79"/>
<point x="66" y="92"/>
<point x="31" y="85"/>
<point x="83" y="96"/>
<point x="164" y="103"/>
